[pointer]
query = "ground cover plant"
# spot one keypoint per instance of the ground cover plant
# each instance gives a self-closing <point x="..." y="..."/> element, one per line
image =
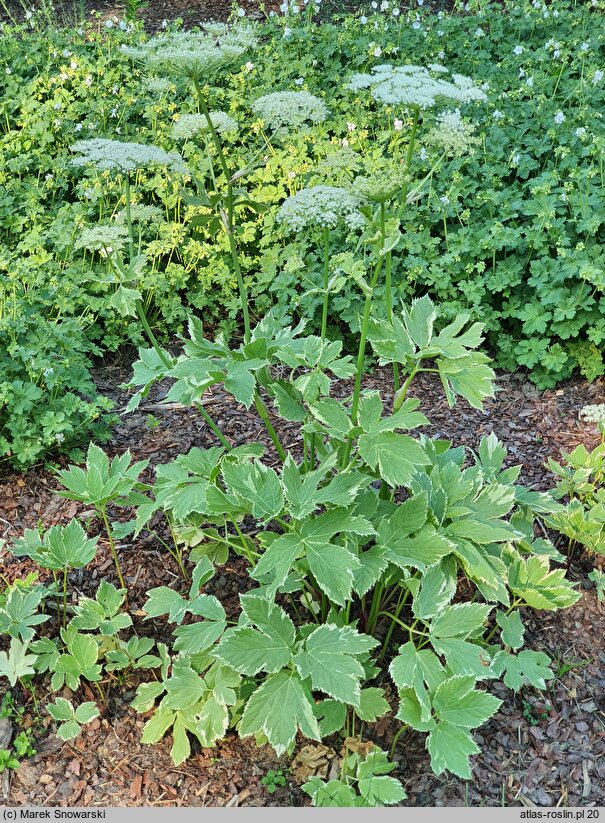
<point x="503" y="220"/>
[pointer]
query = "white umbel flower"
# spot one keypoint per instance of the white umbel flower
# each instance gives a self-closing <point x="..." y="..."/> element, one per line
<point x="195" y="54"/>
<point x="320" y="206"/>
<point x="415" y="86"/>
<point x="289" y="109"/>
<point x="594" y="414"/>
<point x="105" y="239"/>
<point x="382" y="184"/>
<point x="140" y="213"/>
<point x="452" y="134"/>
<point x="188" y="125"/>
<point x="115" y="155"/>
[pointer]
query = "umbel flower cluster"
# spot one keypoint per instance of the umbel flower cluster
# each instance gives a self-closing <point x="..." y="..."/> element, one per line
<point x="452" y="134"/>
<point x="594" y="414"/>
<point x="105" y="239"/>
<point x="188" y="125"/>
<point x="140" y="213"/>
<point x="416" y="86"/>
<point x="289" y="109"/>
<point x="325" y="206"/>
<point x="381" y="184"/>
<point x="195" y="54"/>
<point x="116" y="155"/>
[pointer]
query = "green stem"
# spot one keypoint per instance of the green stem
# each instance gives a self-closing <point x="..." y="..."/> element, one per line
<point x="243" y="293"/>
<point x="128" y="216"/>
<point x="388" y="266"/>
<point x="176" y="552"/>
<point x="374" y="608"/>
<point x="395" y="741"/>
<point x="361" y="353"/>
<point x="65" y="596"/>
<point x="228" y="222"/>
<point x="112" y="547"/>
<point x="264" y="415"/>
<point x="243" y="540"/>
<point x="151" y="336"/>
<point x="212" y="425"/>
<point x="403" y="596"/>
<point x="324" y="314"/>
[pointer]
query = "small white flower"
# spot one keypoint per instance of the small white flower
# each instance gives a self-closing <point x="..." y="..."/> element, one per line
<point x="374" y="4"/>
<point x="291" y="175"/>
<point x="521" y="72"/>
<point x="555" y="13"/>
<point x="445" y="200"/>
<point x="78" y="127"/>
<point x="556" y="53"/>
<point x="581" y="131"/>
<point x="585" y="46"/>
<point x="515" y="159"/>
<point x="363" y="19"/>
<point x="28" y="15"/>
<point x="344" y="141"/>
<point x="423" y="154"/>
<point x="497" y="115"/>
<point x="479" y="32"/>
<point x="518" y="50"/>
<point x="249" y="66"/>
<point x="241" y="12"/>
<point x="598" y="76"/>
<point x="164" y="24"/>
<point x="529" y="82"/>
<point x="559" y="117"/>
<point x="108" y="24"/>
<point x="441" y="55"/>
<point x="416" y="24"/>
<point x="299" y="81"/>
<point x="377" y="51"/>
<point x="351" y="126"/>
<point x="398" y="125"/>
<point x="7" y="71"/>
<point x="287" y="31"/>
<point x="395" y="12"/>
<point x="384" y="6"/>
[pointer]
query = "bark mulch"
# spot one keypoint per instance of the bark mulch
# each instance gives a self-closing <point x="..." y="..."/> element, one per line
<point x="543" y="749"/>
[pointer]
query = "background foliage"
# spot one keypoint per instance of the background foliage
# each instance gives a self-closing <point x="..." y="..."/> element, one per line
<point x="512" y="233"/>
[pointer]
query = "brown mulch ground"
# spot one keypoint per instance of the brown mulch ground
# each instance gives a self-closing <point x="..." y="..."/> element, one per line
<point x="543" y="749"/>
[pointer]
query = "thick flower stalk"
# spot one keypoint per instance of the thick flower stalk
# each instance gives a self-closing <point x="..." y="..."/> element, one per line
<point x="326" y="207"/>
